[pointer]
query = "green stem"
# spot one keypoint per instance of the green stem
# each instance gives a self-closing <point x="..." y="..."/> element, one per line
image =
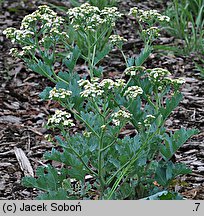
<point x="101" y="165"/>
<point x="85" y="122"/>
<point x="89" y="58"/>
<point x="116" y="173"/>
<point x="130" y="163"/>
<point x="123" y="54"/>
<point x="108" y="146"/>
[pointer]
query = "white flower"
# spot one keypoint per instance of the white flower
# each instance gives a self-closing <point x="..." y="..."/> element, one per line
<point x="157" y="74"/>
<point x="164" y="18"/>
<point x="132" y="71"/>
<point x="103" y="127"/>
<point x="152" y="31"/>
<point x="148" y="120"/>
<point x="90" y="17"/>
<point x="87" y="134"/>
<point x="133" y="92"/>
<point x="17" y="35"/>
<point x="179" y="81"/>
<point x="90" y="89"/>
<point x="13" y="52"/>
<point x="60" y="118"/>
<point x="119" y="116"/>
<point x="117" y="40"/>
<point x="83" y="82"/>
<point x="27" y="49"/>
<point x="45" y="15"/>
<point x="107" y="83"/>
<point x="59" y="93"/>
<point x="9" y="31"/>
<point x="148" y="15"/>
<point x="119" y="83"/>
<point x="96" y="88"/>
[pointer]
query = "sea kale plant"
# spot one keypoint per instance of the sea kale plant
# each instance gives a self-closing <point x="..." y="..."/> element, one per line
<point x="99" y="159"/>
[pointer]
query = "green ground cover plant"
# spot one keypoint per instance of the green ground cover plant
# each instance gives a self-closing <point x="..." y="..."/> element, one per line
<point x="98" y="3"/>
<point x="138" y="166"/>
<point x="187" y="23"/>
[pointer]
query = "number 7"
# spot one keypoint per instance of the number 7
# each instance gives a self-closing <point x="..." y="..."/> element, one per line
<point x="198" y="204"/>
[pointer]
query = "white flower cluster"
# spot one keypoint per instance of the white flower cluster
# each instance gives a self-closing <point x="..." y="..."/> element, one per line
<point x="107" y="83"/>
<point x="157" y="74"/>
<point x="91" y="89"/>
<point x="110" y="15"/>
<point x="61" y="118"/>
<point x="132" y="71"/>
<point x="96" y="88"/>
<point x="117" y="40"/>
<point x="16" y="53"/>
<point x="45" y="15"/>
<point x="146" y="16"/>
<point x="28" y="48"/>
<point x="119" y="116"/>
<point x="152" y="31"/>
<point x="148" y="120"/>
<point x="133" y="92"/>
<point x="17" y="35"/>
<point x="13" y="52"/>
<point x="59" y="93"/>
<point x="87" y="134"/>
<point x="176" y="82"/>
<point x="160" y="77"/>
<point x="179" y="81"/>
<point x="90" y="17"/>
<point x="43" y="18"/>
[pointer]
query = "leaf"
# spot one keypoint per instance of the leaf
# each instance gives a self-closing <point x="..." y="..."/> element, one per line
<point x="93" y="144"/>
<point x="181" y="169"/>
<point x="71" y="63"/>
<point x="131" y="61"/>
<point x="49" y="178"/>
<point x="156" y="196"/>
<point x="124" y="192"/>
<point x="98" y="71"/>
<point x="143" y="56"/>
<point x="102" y="54"/>
<point x="52" y="182"/>
<point x="164" y="195"/>
<point x="92" y="119"/>
<point x="41" y="68"/>
<point x="60" y="194"/>
<point x="75" y="3"/>
<point x="171" y="104"/>
<point x="166" y="172"/>
<point x="44" y="95"/>
<point x="78" y="173"/>
<point x="48" y="59"/>
<point x="200" y="68"/>
<point x="160" y="176"/>
<point x="65" y="76"/>
<point x="173" y="143"/>
<point x="115" y="162"/>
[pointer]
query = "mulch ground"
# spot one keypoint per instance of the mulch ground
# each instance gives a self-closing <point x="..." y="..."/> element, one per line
<point x="23" y="114"/>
